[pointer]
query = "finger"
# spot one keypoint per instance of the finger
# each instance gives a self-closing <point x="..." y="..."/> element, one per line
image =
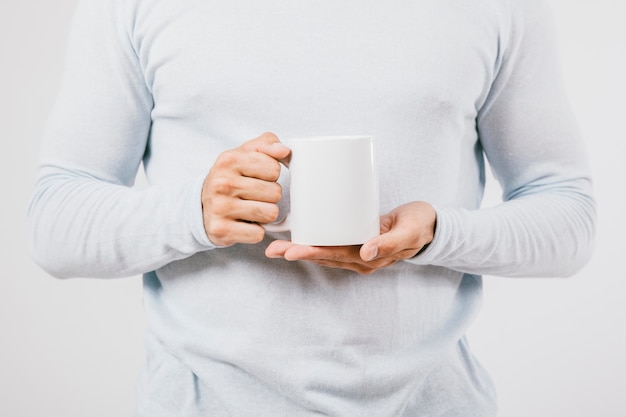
<point x="332" y="257"/>
<point x="277" y="248"/>
<point x="266" y="138"/>
<point x="300" y="253"/>
<point x="347" y="254"/>
<point x="259" y="165"/>
<point x="269" y="144"/>
<point x="360" y="267"/>
<point x="228" y="232"/>
<point x="257" y="190"/>
<point x="354" y="267"/>
<point x="246" y="163"/>
<point x="278" y="151"/>
<point x="295" y="252"/>
<point x="253" y="211"/>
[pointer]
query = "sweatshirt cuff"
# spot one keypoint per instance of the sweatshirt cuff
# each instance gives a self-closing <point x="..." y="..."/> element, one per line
<point x="194" y="214"/>
<point x="436" y="247"/>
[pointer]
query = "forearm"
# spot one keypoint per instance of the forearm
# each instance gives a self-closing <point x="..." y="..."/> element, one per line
<point x="548" y="233"/>
<point x="83" y="226"/>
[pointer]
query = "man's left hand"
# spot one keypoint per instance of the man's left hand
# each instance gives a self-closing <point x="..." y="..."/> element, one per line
<point x="403" y="233"/>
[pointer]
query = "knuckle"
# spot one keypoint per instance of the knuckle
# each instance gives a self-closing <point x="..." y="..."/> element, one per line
<point x="227" y="159"/>
<point x="219" y="207"/>
<point x="222" y="185"/>
<point x="268" y="137"/>
<point x="217" y="231"/>
<point x="264" y="138"/>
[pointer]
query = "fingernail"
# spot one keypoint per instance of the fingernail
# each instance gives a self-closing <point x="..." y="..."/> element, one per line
<point x="371" y="253"/>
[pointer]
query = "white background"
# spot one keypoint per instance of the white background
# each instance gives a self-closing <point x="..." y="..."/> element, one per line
<point x="554" y="347"/>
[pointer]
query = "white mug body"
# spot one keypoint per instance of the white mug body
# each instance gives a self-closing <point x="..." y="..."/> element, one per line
<point x="334" y="190"/>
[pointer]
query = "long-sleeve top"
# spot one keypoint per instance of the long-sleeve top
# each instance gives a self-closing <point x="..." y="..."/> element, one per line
<point x="444" y="86"/>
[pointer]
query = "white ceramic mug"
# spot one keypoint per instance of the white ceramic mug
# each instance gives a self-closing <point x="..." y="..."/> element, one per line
<point x="334" y="191"/>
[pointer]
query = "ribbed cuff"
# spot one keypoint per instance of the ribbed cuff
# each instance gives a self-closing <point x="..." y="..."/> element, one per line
<point x="194" y="216"/>
<point x="430" y="254"/>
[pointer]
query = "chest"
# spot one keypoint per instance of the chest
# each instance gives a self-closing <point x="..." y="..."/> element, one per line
<point x="208" y="61"/>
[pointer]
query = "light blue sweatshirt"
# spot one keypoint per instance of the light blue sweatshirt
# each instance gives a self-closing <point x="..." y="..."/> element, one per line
<point x="441" y="84"/>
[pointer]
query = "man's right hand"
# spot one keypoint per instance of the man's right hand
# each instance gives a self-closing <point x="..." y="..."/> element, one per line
<point x="241" y="191"/>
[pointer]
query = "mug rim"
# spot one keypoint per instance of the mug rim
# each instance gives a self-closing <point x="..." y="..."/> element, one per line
<point x="330" y="138"/>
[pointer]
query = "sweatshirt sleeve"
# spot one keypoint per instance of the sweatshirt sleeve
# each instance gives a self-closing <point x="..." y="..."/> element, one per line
<point x="546" y="223"/>
<point x="85" y="217"/>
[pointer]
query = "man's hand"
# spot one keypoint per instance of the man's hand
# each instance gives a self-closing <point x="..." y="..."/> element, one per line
<point x="403" y="233"/>
<point x="241" y="191"/>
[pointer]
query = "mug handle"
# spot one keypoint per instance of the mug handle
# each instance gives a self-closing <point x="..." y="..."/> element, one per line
<point x="281" y="226"/>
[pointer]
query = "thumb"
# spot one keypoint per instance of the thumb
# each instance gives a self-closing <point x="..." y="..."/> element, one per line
<point x="404" y="232"/>
<point x="382" y="246"/>
<point x="369" y="250"/>
<point x="388" y="243"/>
